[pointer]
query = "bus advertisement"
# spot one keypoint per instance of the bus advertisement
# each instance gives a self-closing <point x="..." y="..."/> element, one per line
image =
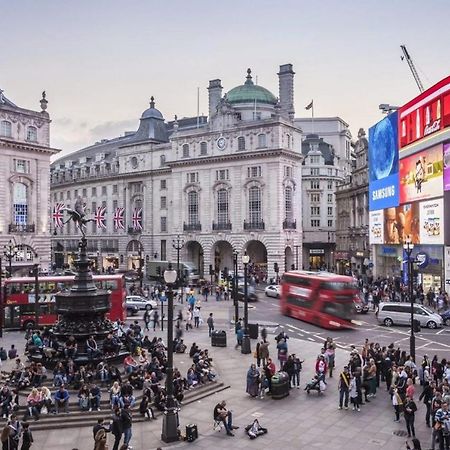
<point x="321" y="298"/>
<point x="20" y="299"/>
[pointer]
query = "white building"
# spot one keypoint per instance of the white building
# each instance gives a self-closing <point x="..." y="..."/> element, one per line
<point x="24" y="186"/>
<point x="230" y="183"/>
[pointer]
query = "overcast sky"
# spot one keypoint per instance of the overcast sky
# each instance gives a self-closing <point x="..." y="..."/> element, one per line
<point x="100" y="61"/>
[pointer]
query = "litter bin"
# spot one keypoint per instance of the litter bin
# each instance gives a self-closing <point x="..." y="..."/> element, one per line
<point x="416" y="326"/>
<point x="191" y="432"/>
<point x="253" y="330"/>
<point x="219" y="338"/>
<point x="280" y="385"/>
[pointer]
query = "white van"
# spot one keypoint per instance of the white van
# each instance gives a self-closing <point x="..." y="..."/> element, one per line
<point x="392" y="313"/>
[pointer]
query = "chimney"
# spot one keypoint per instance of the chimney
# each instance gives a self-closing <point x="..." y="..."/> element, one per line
<point x="286" y="89"/>
<point x="215" y="94"/>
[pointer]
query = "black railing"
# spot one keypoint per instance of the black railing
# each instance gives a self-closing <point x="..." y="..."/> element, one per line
<point x="20" y="228"/>
<point x="289" y="224"/>
<point x="192" y="226"/>
<point x="132" y="230"/>
<point x="254" y="225"/>
<point x="221" y="226"/>
<point x="110" y="249"/>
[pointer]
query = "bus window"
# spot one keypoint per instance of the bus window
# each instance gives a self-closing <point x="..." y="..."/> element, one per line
<point x="296" y="280"/>
<point x="341" y="310"/>
<point x="302" y="302"/>
<point x="337" y="285"/>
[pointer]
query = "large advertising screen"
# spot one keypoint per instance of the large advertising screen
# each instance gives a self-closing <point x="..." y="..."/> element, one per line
<point x="383" y="164"/>
<point x="401" y="222"/>
<point x="446" y="167"/>
<point x="421" y="175"/>
<point x="376" y="227"/>
<point x="431" y="222"/>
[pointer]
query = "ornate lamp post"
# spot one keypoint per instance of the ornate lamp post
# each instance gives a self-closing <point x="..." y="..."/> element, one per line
<point x="178" y="244"/>
<point x="235" y="287"/>
<point x="10" y="252"/>
<point x="408" y="247"/>
<point x="245" y="347"/>
<point x="170" y="419"/>
<point x="1" y="299"/>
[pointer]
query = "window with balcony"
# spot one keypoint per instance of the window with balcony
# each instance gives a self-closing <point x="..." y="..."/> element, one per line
<point x="241" y="143"/>
<point x="223" y="216"/>
<point x="330" y="223"/>
<point x="32" y="134"/>
<point x="330" y="210"/>
<point x="20" y="204"/>
<point x="330" y="198"/>
<point x="315" y="171"/>
<point x="163" y="224"/>
<point x="254" y="205"/>
<point x="330" y="185"/>
<point x="262" y="141"/>
<point x="192" y="177"/>
<point x="203" y="148"/>
<point x="185" y="149"/>
<point x="288" y="204"/>
<point x="5" y="128"/>
<point x="314" y="159"/>
<point x="193" y="208"/>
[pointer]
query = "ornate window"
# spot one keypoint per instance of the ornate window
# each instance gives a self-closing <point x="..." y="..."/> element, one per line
<point x="222" y="206"/>
<point x="5" y="128"/>
<point x="203" y="148"/>
<point x="241" y="143"/>
<point x="254" y="204"/>
<point x="20" y="204"/>
<point x="262" y="141"/>
<point x="185" y="150"/>
<point x="193" y="208"/>
<point x="288" y="203"/>
<point x="32" y="134"/>
<point x="162" y="160"/>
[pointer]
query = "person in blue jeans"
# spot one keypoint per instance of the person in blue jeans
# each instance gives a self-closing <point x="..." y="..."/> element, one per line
<point x="221" y="414"/>
<point x="210" y="322"/>
<point x="126" y="421"/>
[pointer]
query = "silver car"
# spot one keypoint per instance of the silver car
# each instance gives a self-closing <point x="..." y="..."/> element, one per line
<point x="273" y="290"/>
<point x="393" y="313"/>
<point x="141" y="303"/>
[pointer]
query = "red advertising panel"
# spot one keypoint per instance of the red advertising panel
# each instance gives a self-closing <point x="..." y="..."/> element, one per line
<point x="428" y="113"/>
<point x="421" y="175"/>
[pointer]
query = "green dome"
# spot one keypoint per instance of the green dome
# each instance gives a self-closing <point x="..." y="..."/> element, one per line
<point x="249" y="92"/>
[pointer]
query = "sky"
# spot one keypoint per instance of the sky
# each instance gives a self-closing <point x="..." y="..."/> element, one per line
<point x="100" y="61"/>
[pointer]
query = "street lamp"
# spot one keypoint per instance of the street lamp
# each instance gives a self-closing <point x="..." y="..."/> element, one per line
<point x="245" y="347"/>
<point x="10" y="252"/>
<point x="408" y="247"/>
<point x="178" y="244"/>
<point x="36" y="294"/>
<point x="235" y="287"/>
<point x="1" y="299"/>
<point x="170" y="419"/>
<point x="141" y="263"/>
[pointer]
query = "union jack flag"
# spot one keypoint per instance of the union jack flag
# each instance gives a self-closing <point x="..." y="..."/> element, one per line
<point x="119" y="222"/>
<point x="100" y="219"/>
<point x="137" y="219"/>
<point x="58" y="215"/>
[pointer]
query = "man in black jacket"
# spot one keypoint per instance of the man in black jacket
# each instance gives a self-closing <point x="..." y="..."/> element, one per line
<point x="427" y="396"/>
<point x="127" y="422"/>
<point x="116" y="428"/>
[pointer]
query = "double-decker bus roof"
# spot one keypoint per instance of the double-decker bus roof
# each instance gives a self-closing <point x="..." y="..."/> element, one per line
<point x="321" y="275"/>
<point x="61" y="279"/>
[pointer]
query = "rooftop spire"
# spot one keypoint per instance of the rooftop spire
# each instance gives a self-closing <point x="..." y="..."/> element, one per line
<point x="152" y="102"/>
<point x="249" y="76"/>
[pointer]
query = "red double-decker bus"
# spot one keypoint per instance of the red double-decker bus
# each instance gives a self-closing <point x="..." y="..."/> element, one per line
<point x="322" y="298"/>
<point x="19" y="300"/>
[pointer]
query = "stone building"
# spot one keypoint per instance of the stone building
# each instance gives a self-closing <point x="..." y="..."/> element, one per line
<point x="25" y="185"/>
<point x="352" y="225"/>
<point x="229" y="182"/>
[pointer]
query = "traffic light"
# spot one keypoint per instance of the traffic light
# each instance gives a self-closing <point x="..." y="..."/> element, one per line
<point x="225" y="273"/>
<point x="275" y="267"/>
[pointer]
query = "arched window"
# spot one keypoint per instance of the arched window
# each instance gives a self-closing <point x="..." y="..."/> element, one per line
<point x="223" y="216"/>
<point x="5" y="128"/>
<point x="24" y="253"/>
<point x="262" y="140"/>
<point x="254" y="205"/>
<point x="241" y="143"/>
<point x="32" y="134"/>
<point x="289" y="212"/>
<point x="20" y="204"/>
<point x="162" y="160"/>
<point x="203" y="148"/>
<point x="185" y="150"/>
<point x="193" y="208"/>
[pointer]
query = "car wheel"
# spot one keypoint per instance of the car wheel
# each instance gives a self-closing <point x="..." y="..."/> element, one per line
<point x="388" y="322"/>
<point x="432" y="325"/>
<point x="148" y="307"/>
<point x="447" y="322"/>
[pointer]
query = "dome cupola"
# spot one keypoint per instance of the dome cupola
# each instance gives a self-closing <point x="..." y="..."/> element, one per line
<point x="250" y="92"/>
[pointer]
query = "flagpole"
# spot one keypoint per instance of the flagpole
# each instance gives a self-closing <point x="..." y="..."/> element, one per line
<point x="312" y="117"/>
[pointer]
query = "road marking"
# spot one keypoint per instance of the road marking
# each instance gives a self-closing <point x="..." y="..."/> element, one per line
<point x="290" y="330"/>
<point x="318" y="337"/>
<point x="439" y="332"/>
<point x="295" y="328"/>
<point x="342" y="346"/>
<point x="274" y="304"/>
<point x="300" y="334"/>
<point x="311" y="339"/>
<point x="424" y="345"/>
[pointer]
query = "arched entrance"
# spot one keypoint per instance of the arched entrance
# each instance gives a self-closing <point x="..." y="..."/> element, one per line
<point x="133" y="249"/>
<point x="194" y="254"/>
<point x="288" y="259"/>
<point x="222" y="256"/>
<point x="258" y="259"/>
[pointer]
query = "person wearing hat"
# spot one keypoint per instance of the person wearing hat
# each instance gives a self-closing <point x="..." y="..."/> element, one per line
<point x="344" y="387"/>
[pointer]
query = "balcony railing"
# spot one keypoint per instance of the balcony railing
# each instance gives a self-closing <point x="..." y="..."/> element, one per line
<point x="20" y="228"/>
<point x="132" y="230"/>
<point x="221" y="226"/>
<point x="110" y="249"/>
<point x="289" y="224"/>
<point x="192" y="226"/>
<point x="255" y="225"/>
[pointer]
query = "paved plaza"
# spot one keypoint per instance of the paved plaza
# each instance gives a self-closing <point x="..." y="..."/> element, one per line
<point x="296" y="422"/>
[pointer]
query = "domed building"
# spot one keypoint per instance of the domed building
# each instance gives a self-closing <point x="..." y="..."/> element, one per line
<point x="227" y="182"/>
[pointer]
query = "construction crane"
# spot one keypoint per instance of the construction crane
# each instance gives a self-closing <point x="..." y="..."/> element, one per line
<point x="412" y="67"/>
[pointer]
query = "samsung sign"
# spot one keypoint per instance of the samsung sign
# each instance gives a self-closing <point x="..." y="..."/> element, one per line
<point x="383" y="164"/>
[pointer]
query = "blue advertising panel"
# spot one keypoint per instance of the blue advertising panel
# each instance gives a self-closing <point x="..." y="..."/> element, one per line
<point x="383" y="164"/>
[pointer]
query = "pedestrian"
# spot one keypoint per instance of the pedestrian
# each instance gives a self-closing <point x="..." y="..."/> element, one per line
<point x="100" y="439"/>
<point x="427" y="397"/>
<point x="397" y="403"/>
<point x="409" y="413"/>
<point x="288" y="367"/>
<point x="155" y="319"/>
<point x="127" y="422"/>
<point x="27" y="437"/>
<point x="116" y="428"/>
<point x="330" y="351"/>
<point x="282" y="352"/>
<point x="188" y="319"/>
<point x="239" y="337"/>
<point x="147" y="318"/>
<point x="354" y="395"/>
<point x="298" y="364"/>
<point x="252" y="381"/>
<point x="344" y="387"/>
<point x="210" y="322"/>
<point x="196" y="314"/>
<point x="416" y="443"/>
<point x="263" y="351"/>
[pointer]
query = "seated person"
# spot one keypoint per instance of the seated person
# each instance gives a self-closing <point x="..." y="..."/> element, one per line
<point x="255" y="429"/>
<point x="192" y="379"/>
<point x="59" y="375"/>
<point x="103" y="373"/>
<point x="136" y="379"/>
<point x="12" y="352"/>
<point x="70" y="347"/>
<point x="62" y="399"/>
<point x="95" y="396"/>
<point x="92" y="348"/>
<point x="145" y="409"/>
<point x="6" y="399"/>
<point x="83" y="398"/>
<point x="221" y="414"/>
<point x="160" y="399"/>
<point x="33" y="404"/>
<point x="111" y="345"/>
<point x="115" y="395"/>
<point x="46" y="400"/>
<point x="129" y="364"/>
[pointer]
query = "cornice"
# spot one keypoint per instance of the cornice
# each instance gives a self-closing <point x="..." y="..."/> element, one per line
<point x="24" y="146"/>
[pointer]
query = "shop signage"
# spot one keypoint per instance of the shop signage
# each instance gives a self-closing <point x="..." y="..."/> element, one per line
<point x="422" y="260"/>
<point x="431" y="222"/>
<point x="359" y="254"/>
<point x="392" y="251"/>
<point x="341" y="255"/>
<point x="376" y="227"/>
<point x="316" y="251"/>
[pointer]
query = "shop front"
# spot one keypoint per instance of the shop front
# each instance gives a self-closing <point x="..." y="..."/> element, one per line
<point x="342" y="259"/>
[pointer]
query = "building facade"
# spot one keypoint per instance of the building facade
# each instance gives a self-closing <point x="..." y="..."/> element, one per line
<point x="231" y="182"/>
<point x="25" y="186"/>
<point x="321" y="174"/>
<point x="352" y="221"/>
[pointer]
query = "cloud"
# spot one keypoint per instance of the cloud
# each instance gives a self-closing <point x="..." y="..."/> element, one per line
<point x="111" y="129"/>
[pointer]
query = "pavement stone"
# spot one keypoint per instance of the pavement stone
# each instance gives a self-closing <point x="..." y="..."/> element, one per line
<point x="296" y="422"/>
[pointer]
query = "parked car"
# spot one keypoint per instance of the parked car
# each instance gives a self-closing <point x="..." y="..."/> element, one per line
<point x="273" y="290"/>
<point x="391" y="313"/>
<point x="360" y="306"/>
<point x="131" y="276"/>
<point x="132" y="310"/>
<point x="446" y="317"/>
<point x="251" y="296"/>
<point x="141" y="303"/>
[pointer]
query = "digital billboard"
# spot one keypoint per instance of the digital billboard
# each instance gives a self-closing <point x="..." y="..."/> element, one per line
<point x="376" y="227"/>
<point x="401" y="222"/>
<point x="421" y="175"/>
<point x="383" y="164"/>
<point x="446" y="167"/>
<point x="431" y="221"/>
